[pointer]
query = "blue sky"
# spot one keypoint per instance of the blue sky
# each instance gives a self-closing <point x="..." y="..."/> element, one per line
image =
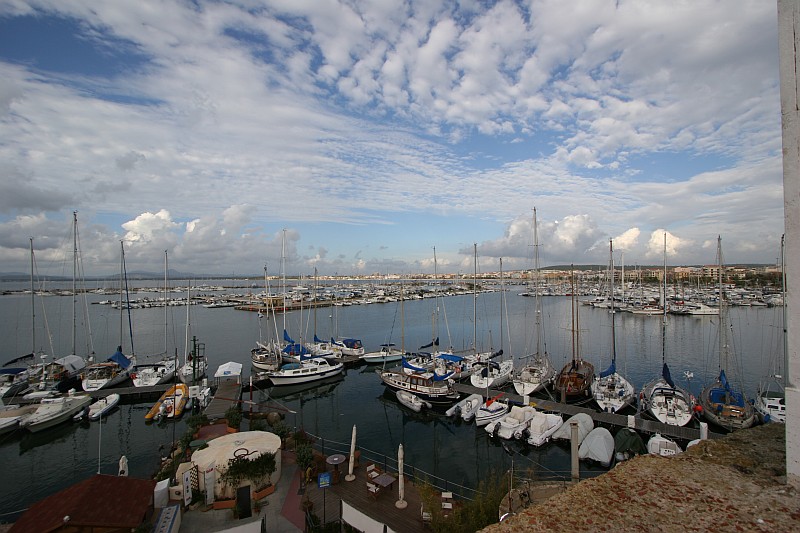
<point x="374" y="131"/>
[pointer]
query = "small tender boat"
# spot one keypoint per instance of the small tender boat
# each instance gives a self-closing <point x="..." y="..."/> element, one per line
<point x="512" y="424"/>
<point x="12" y="415"/>
<point x="103" y="406"/>
<point x="491" y="410"/>
<point x="467" y="407"/>
<point x="171" y="404"/>
<point x="660" y="445"/>
<point x="412" y="401"/>
<point x="627" y="444"/>
<point x="541" y="428"/>
<point x="598" y="446"/>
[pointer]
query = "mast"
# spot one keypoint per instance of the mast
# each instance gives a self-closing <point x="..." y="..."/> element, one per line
<point x="33" y="307"/>
<point x="166" y="292"/>
<point x="475" y="297"/>
<point x="74" y="274"/>
<point x="664" y="314"/>
<point x="723" y="344"/>
<point x="537" y="300"/>
<point x="121" y="274"/>
<point x="283" y="275"/>
<point x="613" y="314"/>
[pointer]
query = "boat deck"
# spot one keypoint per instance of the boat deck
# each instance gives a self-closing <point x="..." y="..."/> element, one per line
<point x="606" y="419"/>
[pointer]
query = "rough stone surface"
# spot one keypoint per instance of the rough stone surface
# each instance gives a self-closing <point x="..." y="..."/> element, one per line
<point x="737" y="483"/>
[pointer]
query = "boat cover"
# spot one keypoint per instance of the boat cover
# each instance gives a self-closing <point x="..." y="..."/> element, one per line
<point x="230" y="368"/>
<point x="434" y="343"/>
<point x="585" y="425"/>
<point x="597" y="446"/>
<point x="118" y="358"/>
<point x="666" y="375"/>
<point x="408" y="365"/>
<point x="629" y="442"/>
<point x="610" y="370"/>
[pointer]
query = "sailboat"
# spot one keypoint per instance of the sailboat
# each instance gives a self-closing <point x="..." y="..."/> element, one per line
<point x="575" y="379"/>
<point x="266" y="357"/>
<point x="64" y="373"/>
<point x="486" y="372"/>
<point x="195" y="364"/>
<point x="116" y="368"/>
<point x="539" y="372"/>
<point x="722" y="404"/>
<point x="661" y="399"/>
<point x="162" y="370"/>
<point x="770" y="400"/>
<point x="611" y="390"/>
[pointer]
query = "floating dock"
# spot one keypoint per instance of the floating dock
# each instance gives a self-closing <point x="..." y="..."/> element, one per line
<point x="606" y="419"/>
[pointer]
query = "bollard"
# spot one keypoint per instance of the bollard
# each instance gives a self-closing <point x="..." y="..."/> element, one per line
<point x="576" y="472"/>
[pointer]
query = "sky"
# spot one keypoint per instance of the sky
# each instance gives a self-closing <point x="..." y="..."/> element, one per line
<point x="387" y="136"/>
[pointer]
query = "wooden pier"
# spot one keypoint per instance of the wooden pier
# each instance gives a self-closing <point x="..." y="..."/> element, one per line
<point x="606" y="419"/>
<point x="228" y="394"/>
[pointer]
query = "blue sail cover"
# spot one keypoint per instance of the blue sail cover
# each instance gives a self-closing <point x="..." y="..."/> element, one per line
<point x="667" y="377"/>
<point x="434" y="343"/>
<point x="408" y="365"/>
<point x="352" y="343"/>
<point x="498" y="353"/>
<point x="450" y="357"/>
<point x="287" y="338"/>
<point x="120" y="359"/>
<point x="295" y="349"/>
<point x="610" y="370"/>
<point x="724" y="381"/>
<point x="316" y="339"/>
<point x="437" y="377"/>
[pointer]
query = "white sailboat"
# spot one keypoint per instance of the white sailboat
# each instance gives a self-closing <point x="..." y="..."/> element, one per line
<point x="770" y="400"/>
<point x="146" y="374"/>
<point x="722" y="403"/>
<point x="195" y="364"/>
<point x="610" y="389"/>
<point x="538" y="372"/>
<point x="486" y="373"/>
<point x="266" y="356"/>
<point x="661" y="398"/>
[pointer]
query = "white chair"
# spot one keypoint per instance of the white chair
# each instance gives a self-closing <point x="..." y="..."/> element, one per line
<point x="372" y="471"/>
<point x="373" y="489"/>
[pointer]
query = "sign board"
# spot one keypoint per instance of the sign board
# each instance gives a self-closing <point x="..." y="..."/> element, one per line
<point x="187" y="487"/>
<point x="324" y="480"/>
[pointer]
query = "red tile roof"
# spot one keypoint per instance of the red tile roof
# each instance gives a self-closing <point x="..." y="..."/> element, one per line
<point x="100" y="501"/>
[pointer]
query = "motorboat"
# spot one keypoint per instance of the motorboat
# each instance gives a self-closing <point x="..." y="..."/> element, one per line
<point x="438" y="390"/>
<point x="54" y="411"/>
<point x="306" y="370"/>
<point x="467" y="407"/>
<point x="513" y="423"/>
<point x="541" y="428"/>
<point x="12" y="415"/>
<point x="660" y="445"/>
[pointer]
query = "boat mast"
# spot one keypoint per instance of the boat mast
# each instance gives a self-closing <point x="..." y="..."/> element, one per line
<point x="475" y="297"/>
<point x="537" y="300"/>
<point x="613" y="314"/>
<point x="664" y="305"/>
<point x="121" y="288"/>
<point x="33" y="307"/>
<point x="723" y="341"/>
<point x="283" y="275"/>
<point x="166" y="292"/>
<point x="74" y="275"/>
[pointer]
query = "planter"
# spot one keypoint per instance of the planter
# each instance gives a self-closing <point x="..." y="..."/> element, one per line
<point x="263" y="493"/>
<point x="224" y="504"/>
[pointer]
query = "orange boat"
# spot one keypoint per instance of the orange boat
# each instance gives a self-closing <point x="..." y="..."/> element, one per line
<point x="171" y="403"/>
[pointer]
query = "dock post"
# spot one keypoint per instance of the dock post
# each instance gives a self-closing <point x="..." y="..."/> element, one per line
<point x="563" y="391"/>
<point x="703" y="431"/>
<point x="576" y="472"/>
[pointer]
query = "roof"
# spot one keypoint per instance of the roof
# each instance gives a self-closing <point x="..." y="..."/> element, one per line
<point x="100" y="501"/>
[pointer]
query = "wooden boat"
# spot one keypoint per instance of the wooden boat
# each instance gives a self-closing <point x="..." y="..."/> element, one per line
<point x="428" y="386"/>
<point x="575" y="379"/>
<point x="171" y="404"/>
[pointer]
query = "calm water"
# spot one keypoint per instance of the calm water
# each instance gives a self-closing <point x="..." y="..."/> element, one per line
<point x="35" y="465"/>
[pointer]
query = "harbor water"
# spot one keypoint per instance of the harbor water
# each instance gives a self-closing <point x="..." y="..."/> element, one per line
<point x="36" y="465"/>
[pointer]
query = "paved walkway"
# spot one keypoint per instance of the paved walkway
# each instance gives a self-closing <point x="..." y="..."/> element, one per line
<point x="281" y="509"/>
